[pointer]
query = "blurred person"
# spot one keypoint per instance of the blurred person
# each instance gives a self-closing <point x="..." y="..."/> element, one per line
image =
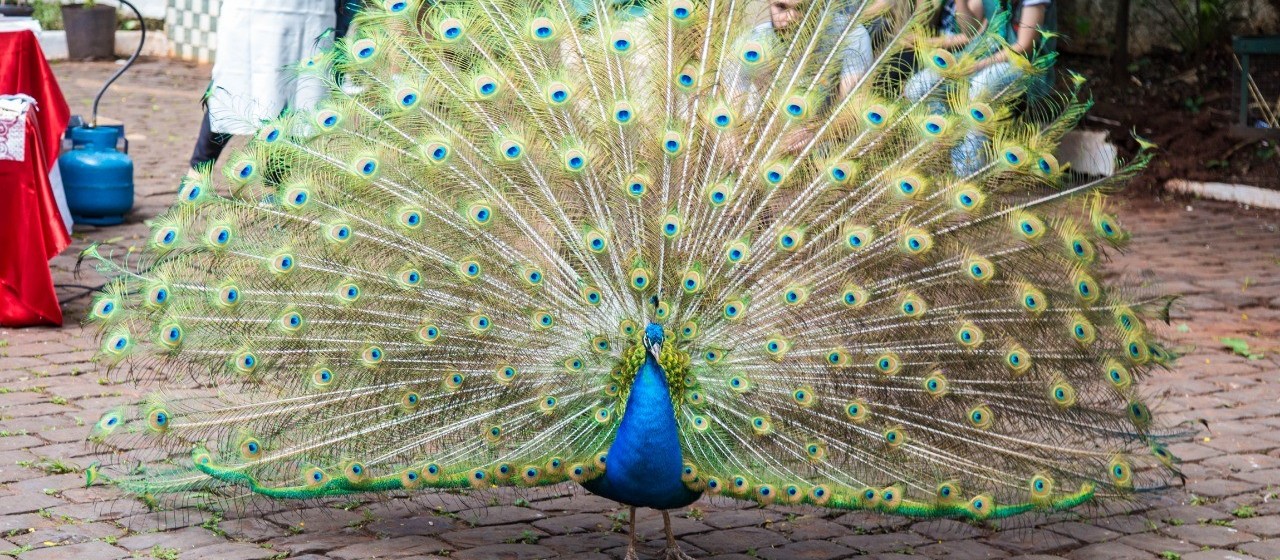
<point x="1029" y="33"/>
<point x="957" y="23"/>
<point x="855" y="49"/>
<point x="258" y="43"/>
<point x="346" y="10"/>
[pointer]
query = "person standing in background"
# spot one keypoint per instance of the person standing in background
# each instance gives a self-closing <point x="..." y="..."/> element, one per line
<point x="258" y="43"/>
<point x="346" y="11"/>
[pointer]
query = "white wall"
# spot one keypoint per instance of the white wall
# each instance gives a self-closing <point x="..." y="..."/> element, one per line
<point x="149" y="8"/>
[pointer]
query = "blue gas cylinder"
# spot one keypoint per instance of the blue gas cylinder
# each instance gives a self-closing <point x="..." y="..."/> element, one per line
<point x="97" y="174"/>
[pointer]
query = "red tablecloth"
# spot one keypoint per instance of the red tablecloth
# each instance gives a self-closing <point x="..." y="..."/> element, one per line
<point x="31" y="229"/>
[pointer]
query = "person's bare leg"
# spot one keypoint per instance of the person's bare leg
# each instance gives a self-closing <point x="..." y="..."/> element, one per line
<point x="673" y="551"/>
<point x="631" y="544"/>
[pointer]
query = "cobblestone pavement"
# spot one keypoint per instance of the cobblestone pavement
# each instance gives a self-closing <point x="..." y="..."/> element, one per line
<point x="1224" y="259"/>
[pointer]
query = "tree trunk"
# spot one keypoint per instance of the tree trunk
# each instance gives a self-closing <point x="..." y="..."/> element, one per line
<point x="1120" y="50"/>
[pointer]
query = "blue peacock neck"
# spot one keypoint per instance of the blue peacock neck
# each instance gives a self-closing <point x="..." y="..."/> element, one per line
<point x="644" y="463"/>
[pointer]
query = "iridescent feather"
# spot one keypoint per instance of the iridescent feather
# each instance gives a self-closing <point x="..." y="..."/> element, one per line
<point x="439" y="278"/>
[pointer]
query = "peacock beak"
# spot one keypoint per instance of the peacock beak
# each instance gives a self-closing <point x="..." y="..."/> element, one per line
<point x="655" y="349"/>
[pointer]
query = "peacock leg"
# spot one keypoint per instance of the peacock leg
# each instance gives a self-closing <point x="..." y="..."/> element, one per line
<point x="631" y="544"/>
<point x="673" y="551"/>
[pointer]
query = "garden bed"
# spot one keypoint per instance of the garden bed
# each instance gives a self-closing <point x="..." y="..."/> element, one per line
<point x="1186" y="109"/>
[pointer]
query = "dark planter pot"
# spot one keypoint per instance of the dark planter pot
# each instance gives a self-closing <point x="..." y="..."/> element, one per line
<point x="17" y="11"/>
<point x="91" y="32"/>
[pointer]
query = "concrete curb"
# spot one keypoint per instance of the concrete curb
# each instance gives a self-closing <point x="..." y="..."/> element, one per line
<point x="1241" y="194"/>
<point x="54" y="44"/>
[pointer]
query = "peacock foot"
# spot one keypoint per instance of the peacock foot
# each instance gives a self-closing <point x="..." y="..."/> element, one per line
<point x="631" y="554"/>
<point x="674" y="553"/>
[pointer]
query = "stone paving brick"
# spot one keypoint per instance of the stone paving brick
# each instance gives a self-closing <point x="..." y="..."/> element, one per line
<point x="806" y="550"/>
<point x="574" y="523"/>
<point x="1266" y="550"/>
<point x="736" y="540"/>
<point x="251" y="529"/>
<point x="232" y="551"/>
<point x="1189" y="514"/>
<point x="654" y="549"/>
<point x="25" y="523"/>
<point x="947" y="530"/>
<point x="577" y="504"/>
<point x="1031" y="541"/>
<point x="962" y="550"/>
<point x="27" y="502"/>
<point x="1209" y="535"/>
<point x="649" y="525"/>
<point x="740" y="518"/>
<point x="883" y="543"/>
<point x="101" y="510"/>
<point x="1220" y="488"/>
<point x="159" y="521"/>
<point x="1084" y="532"/>
<point x="189" y="538"/>
<point x="1127" y="524"/>
<point x="811" y="528"/>
<point x="421" y="525"/>
<point x="1156" y="543"/>
<point x="1238" y="463"/>
<point x="871" y="522"/>
<point x="317" y="520"/>
<point x="500" y="515"/>
<point x="312" y="543"/>
<point x="505" y="552"/>
<point x="582" y="543"/>
<point x="398" y="547"/>
<point x="1215" y="554"/>
<point x="1266" y="526"/>
<point x="1269" y="477"/>
<point x="95" y="550"/>
<point x="896" y="556"/>
<point x="49" y="391"/>
<point x="1108" y="551"/>
<point x="468" y="538"/>
<point x="66" y="534"/>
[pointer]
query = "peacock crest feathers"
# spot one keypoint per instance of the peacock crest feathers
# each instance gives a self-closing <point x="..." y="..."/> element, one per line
<point x="439" y="277"/>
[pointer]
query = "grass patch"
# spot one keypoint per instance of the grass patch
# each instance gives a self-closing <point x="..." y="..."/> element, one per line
<point x="526" y="537"/>
<point x="161" y="553"/>
<point x="1240" y="347"/>
<point x="51" y="466"/>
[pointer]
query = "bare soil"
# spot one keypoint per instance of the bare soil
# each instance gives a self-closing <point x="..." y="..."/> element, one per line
<point x="1186" y="108"/>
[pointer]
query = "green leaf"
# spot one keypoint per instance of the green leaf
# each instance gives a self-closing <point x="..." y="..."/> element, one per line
<point x="1240" y="347"/>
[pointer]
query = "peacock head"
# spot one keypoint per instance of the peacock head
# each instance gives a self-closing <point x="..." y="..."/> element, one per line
<point x="653" y="337"/>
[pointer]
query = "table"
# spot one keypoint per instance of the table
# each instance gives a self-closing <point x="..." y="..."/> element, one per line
<point x="32" y="229"/>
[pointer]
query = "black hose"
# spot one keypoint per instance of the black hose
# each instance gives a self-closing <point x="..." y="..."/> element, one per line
<point x="141" y="40"/>
<point x="84" y="291"/>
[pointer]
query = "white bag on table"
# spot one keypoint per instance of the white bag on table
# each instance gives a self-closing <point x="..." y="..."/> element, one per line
<point x="13" y="141"/>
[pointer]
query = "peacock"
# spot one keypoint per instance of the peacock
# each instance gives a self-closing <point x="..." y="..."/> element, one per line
<point x="663" y="249"/>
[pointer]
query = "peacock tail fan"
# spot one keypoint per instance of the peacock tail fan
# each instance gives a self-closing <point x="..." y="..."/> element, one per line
<point x="439" y="278"/>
